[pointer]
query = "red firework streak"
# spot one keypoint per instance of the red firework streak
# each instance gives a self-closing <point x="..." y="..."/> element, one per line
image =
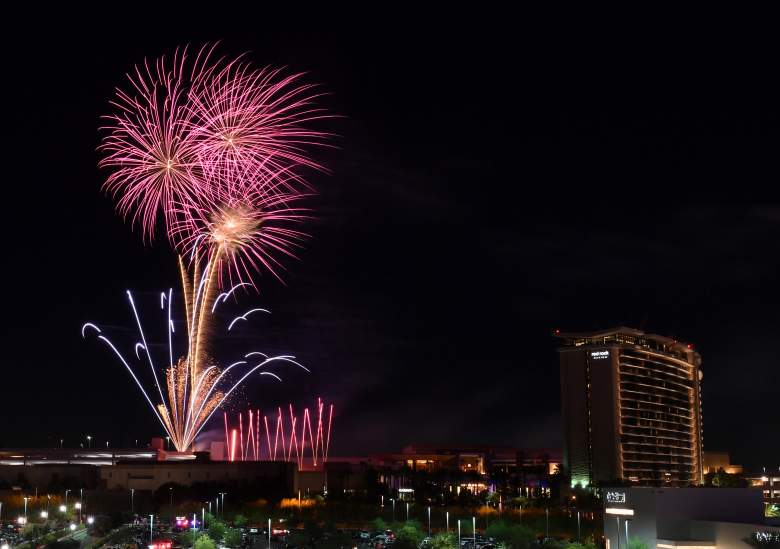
<point x="299" y="441"/>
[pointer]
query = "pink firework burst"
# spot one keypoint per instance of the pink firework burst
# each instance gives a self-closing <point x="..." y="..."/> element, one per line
<point x="242" y="232"/>
<point x="150" y="146"/>
<point x="218" y="148"/>
<point x="254" y="121"/>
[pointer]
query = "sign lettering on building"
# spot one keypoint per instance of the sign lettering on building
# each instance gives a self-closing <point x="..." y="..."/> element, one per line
<point x="616" y="497"/>
<point x="598" y="355"/>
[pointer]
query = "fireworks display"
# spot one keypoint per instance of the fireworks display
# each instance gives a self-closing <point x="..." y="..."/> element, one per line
<point x="288" y="436"/>
<point x="216" y="150"/>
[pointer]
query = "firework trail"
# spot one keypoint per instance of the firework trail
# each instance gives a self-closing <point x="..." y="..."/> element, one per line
<point x="217" y="150"/>
<point x="188" y="403"/>
<point x="251" y="447"/>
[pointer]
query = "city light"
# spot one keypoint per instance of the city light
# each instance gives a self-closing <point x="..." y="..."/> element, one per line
<point x="63" y="508"/>
<point x="72" y="527"/>
<point x="90" y="520"/>
<point x="78" y="505"/>
<point x="44" y="514"/>
<point x="21" y="520"/>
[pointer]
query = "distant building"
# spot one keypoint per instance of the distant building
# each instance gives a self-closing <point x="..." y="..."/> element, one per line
<point x="631" y="408"/>
<point x="471" y="468"/>
<point x="715" y="461"/>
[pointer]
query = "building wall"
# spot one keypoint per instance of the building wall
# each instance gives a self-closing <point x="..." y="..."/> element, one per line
<point x="631" y="409"/>
<point x="44" y="475"/>
<point x="153" y="475"/>
<point x="679" y="514"/>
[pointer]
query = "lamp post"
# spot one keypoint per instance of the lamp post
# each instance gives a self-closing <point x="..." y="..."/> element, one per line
<point x="48" y="502"/>
<point x="458" y="533"/>
<point x="474" y="530"/>
<point x="448" y="521"/>
<point x="151" y="529"/>
<point x="269" y="533"/>
<point x="25" y="509"/>
<point x="626" y="523"/>
<point x="170" y="493"/>
<point x="407" y="511"/>
<point x="546" y="522"/>
<point x="66" y="498"/>
<point x="393" y="500"/>
<point x="78" y="507"/>
<point x="429" y="521"/>
<point x="223" y="503"/>
<point x="617" y="532"/>
<point x="579" y="532"/>
<point x="203" y="518"/>
<point x="89" y="441"/>
<point x="132" y="503"/>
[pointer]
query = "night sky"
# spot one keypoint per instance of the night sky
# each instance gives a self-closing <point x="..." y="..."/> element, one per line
<point x="488" y="186"/>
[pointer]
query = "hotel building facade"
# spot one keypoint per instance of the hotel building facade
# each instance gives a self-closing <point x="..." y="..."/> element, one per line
<point x="631" y="406"/>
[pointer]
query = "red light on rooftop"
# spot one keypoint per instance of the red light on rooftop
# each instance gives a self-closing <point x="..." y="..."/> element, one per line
<point x="690" y="346"/>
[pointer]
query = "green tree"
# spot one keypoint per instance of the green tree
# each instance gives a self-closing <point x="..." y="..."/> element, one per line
<point x="575" y="545"/>
<point x="589" y="544"/>
<point x="187" y="538"/>
<point x="239" y="521"/>
<point x="409" y="536"/>
<point x="514" y="536"/>
<point x="233" y="537"/>
<point x="443" y="540"/>
<point x="379" y="524"/>
<point x="204" y="542"/>
<point x="636" y="543"/>
<point x="217" y="530"/>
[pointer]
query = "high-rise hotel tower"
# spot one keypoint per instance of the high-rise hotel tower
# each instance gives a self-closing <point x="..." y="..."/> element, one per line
<point x="631" y="408"/>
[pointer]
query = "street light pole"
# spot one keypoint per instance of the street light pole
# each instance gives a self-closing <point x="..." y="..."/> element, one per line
<point x="89" y="441"/>
<point x="458" y="533"/>
<point x="269" y="533"/>
<point x="66" y="498"/>
<point x="407" y="511"/>
<point x="429" y="521"/>
<point x="151" y="529"/>
<point x="25" y="509"/>
<point x="617" y="532"/>
<point x="579" y="532"/>
<point x="547" y="522"/>
<point x="393" y="500"/>
<point x="223" y="503"/>
<point x="448" y="522"/>
<point x="626" y="522"/>
<point x="474" y="530"/>
<point x="132" y="503"/>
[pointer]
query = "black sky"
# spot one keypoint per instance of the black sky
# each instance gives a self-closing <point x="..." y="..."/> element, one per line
<point x="489" y="186"/>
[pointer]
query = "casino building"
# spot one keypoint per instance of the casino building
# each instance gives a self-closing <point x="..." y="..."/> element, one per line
<point x="631" y="405"/>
